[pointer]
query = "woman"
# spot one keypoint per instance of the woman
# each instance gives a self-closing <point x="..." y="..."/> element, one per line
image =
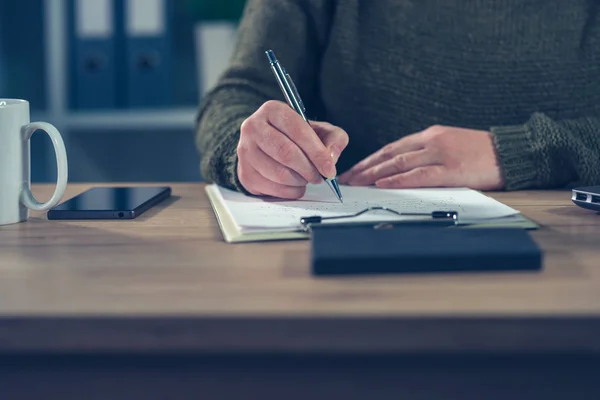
<point x="492" y="95"/>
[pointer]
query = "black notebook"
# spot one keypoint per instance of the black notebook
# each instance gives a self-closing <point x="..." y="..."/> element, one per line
<point x="337" y="250"/>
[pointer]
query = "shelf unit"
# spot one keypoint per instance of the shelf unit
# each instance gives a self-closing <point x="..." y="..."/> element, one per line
<point x="106" y="145"/>
<point x="135" y="129"/>
<point x="57" y="112"/>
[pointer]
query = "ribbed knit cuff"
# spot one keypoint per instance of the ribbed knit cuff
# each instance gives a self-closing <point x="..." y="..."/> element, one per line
<point x="515" y="155"/>
<point x="231" y="162"/>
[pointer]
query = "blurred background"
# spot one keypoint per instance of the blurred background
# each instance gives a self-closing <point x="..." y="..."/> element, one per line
<point x="120" y="79"/>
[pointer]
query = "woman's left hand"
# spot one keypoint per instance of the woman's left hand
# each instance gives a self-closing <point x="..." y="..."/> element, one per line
<point x="439" y="156"/>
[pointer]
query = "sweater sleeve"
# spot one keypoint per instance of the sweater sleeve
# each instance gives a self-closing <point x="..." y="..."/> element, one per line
<point x="544" y="153"/>
<point x="296" y="31"/>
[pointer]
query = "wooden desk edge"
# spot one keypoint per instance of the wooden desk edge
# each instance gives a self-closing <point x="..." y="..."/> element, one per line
<point x="266" y="335"/>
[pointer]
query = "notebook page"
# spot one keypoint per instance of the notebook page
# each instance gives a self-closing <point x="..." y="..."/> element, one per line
<point x="253" y="213"/>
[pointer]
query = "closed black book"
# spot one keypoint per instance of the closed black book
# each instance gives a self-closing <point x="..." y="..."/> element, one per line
<point x="339" y="250"/>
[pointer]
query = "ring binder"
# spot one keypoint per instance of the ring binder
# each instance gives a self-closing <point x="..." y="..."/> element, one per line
<point x="444" y="218"/>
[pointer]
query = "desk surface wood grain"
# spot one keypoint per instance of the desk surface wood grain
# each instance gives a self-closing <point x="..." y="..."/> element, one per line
<point x="168" y="282"/>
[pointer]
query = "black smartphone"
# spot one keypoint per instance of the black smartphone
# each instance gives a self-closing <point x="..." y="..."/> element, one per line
<point x="110" y="203"/>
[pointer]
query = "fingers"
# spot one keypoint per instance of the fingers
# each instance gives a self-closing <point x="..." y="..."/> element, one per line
<point x="279" y="151"/>
<point x="287" y="121"/>
<point x="429" y="176"/>
<point x="283" y="150"/>
<point x="277" y="146"/>
<point x="400" y="163"/>
<point x="262" y="186"/>
<point x="407" y="144"/>
<point x="272" y="170"/>
<point x="333" y="137"/>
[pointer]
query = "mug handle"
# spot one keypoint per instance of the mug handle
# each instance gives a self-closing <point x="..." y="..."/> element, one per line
<point x="61" y="164"/>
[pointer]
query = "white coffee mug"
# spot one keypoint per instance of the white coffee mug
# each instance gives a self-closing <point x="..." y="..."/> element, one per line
<point x="15" y="131"/>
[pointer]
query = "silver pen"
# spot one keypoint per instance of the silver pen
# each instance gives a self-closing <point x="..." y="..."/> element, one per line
<point x="293" y="99"/>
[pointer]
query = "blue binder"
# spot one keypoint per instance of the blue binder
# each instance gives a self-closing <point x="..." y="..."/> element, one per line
<point x="147" y="50"/>
<point x="93" y="44"/>
<point x="2" y="73"/>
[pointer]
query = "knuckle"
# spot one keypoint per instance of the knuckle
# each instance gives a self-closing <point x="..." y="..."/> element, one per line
<point x="281" y="174"/>
<point x="286" y="152"/>
<point x="241" y="152"/>
<point x="387" y="151"/>
<point x="400" y="162"/>
<point x="270" y="106"/>
<point x="248" y="126"/>
<point x="424" y="172"/>
<point x="427" y="174"/>
<point x="242" y="147"/>
<point x="393" y="181"/>
<point x="435" y="131"/>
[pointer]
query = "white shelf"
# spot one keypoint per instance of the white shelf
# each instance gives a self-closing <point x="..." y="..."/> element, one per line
<point x="180" y="118"/>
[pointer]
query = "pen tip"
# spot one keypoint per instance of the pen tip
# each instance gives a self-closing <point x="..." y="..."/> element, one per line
<point x="336" y="189"/>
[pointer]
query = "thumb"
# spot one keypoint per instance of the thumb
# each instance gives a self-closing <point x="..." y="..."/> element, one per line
<point x="333" y="137"/>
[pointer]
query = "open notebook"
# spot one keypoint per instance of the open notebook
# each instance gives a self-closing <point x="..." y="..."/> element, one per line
<point x="244" y="219"/>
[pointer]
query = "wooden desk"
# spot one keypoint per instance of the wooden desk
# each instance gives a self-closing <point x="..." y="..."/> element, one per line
<point x="162" y="305"/>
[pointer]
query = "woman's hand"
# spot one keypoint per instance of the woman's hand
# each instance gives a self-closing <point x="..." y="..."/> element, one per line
<point x="439" y="156"/>
<point x="279" y="153"/>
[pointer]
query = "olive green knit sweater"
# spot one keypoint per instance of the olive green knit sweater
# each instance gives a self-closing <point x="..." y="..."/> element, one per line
<point x="528" y="71"/>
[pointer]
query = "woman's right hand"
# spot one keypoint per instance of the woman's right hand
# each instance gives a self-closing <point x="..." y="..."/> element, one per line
<point x="279" y="153"/>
